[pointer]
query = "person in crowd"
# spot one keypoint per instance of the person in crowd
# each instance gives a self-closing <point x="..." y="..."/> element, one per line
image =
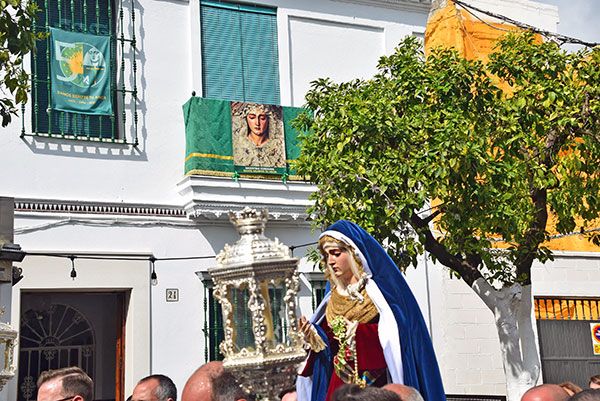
<point x="406" y="393"/>
<point x="211" y="383"/>
<point x="155" y="388"/>
<point x="587" y="395"/>
<point x="66" y="384"/>
<point x="571" y="388"/>
<point x="353" y="392"/>
<point x="289" y="394"/>
<point x="594" y="382"/>
<point x="369" y="327"/>
<point x="545" y="392"/>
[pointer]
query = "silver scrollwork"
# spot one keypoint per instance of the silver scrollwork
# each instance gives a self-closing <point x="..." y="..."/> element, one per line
<point x="259" y="268"/>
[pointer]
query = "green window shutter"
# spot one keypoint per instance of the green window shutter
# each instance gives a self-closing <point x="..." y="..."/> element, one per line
<point x="88" y="16"/>
<point x="239" y="52"/>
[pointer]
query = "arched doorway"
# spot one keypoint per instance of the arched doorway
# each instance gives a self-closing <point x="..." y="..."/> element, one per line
<point x="70" y="329"/>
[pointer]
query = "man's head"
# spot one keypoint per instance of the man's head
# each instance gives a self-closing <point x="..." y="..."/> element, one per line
<point x="199" y="385"/>
<point x="226" y="388"/>
<point x="545" y="392"/>
<point x="66" y="384"/>
<point x="595" y="382"/>
<point x="353" y="392"/>
<point x="291" y="396"/>
<point x="211" y="383"/>
<point x="155" y="388"/>
<point x="571" y="388"/>
<point x="587" y="395"/>
<point x="406" y="393"/>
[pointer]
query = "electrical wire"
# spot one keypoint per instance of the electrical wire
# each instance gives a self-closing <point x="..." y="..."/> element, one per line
<point x="562" y="38"/>
<point x="104" y="223"/>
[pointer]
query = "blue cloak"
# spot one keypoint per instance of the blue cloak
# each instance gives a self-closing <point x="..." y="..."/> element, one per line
<point x="391" y="294"/>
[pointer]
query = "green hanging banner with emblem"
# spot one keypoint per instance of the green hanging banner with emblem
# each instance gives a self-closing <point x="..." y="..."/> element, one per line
<point x="80" y="72"/>
<point x="221" y="139"/>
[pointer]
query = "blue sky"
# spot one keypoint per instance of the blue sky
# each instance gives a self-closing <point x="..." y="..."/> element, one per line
<point x="578" y="18"/>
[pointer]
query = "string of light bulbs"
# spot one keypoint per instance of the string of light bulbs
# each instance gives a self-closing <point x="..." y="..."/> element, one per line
<point x="152" y="259"/>
<point x="128" y="257"/>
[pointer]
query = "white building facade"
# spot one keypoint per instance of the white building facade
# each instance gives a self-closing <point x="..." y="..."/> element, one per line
<point x="114" y="193"/>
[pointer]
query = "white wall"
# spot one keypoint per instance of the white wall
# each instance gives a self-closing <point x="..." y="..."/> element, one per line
<point x="469" y="352"/>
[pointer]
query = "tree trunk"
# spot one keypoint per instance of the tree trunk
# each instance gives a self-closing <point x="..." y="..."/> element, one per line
<point x="513" y="313"/>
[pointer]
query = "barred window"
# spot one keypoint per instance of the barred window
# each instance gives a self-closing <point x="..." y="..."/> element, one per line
<point x="95" y="17"/>
<point x="567" y="349"/>
<point x="213" y="319"/>
<point x="558" y="308"/>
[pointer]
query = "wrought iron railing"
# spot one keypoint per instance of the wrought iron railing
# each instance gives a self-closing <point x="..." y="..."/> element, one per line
<point x="560" y="308"/>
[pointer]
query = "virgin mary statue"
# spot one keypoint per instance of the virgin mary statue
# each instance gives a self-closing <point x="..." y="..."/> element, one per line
<point x="368" y="330"/>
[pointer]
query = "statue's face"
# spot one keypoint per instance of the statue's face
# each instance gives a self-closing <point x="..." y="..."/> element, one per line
<point x="338" y="260"/>
<point x="258" y="122"/>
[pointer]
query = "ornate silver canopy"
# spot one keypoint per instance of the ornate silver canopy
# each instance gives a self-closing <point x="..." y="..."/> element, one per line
<point x="8" y="338"/>
<point x="256" y="282"/>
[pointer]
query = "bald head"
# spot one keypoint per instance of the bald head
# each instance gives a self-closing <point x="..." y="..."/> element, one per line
<point x="406" y="393"/>
<point x="545" y="392"/>
<point x="199" y="385"/>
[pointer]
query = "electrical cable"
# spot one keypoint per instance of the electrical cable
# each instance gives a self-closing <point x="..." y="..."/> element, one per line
<point x="562" y="38"/>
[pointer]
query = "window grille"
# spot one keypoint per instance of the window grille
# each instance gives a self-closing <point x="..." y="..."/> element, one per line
<point x="557" y="308"/>
<point x="213" y="328"/>
<point x="564" y="333"/>
<point x="57" y="337"/>
<point x="100" y="17"/>
<point x="239" y="52"/>
<point x="318" y="286"/>
<point x="213" y="320"/>
<point x="318" y="292"/>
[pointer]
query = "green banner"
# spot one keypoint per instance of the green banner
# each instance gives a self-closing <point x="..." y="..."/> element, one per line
<point x="208" y="137"/>
<point x="229" y="139"/>
<point x="80" y="72"/>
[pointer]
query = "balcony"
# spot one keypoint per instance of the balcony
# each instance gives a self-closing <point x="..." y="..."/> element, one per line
<point x="238" y="154"/>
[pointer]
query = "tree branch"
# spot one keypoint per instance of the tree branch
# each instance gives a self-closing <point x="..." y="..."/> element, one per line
<point x="432" y="216"/>
<point x="468" y="272"/>
<point x="534" y="237"/>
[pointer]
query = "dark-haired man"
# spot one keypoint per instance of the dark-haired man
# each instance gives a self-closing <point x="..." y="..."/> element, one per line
<point x="66" y="384"/>
<point x="587" y="395"/>
<point x="155" y="388"/>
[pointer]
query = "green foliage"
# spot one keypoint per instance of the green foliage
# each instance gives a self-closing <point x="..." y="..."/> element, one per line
<point x="441" y="131"/>
<point x="17" y="39"/>
<point x="314" y="256"/>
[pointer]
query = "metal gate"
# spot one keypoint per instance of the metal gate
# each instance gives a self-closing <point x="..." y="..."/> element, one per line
<point x="565" y="338"/>
<point x="53" y="338"/>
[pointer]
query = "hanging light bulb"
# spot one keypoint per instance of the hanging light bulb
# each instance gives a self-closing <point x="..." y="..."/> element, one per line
<point x="153" y="276"/>
<point x="73" y="272"/>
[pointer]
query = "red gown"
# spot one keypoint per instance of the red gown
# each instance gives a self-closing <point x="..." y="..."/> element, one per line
<point x="371" y="361"/>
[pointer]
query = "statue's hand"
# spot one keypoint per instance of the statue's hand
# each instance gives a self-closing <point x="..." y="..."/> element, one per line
<point x="311" y="337"/>
<point x="304" y="326"/>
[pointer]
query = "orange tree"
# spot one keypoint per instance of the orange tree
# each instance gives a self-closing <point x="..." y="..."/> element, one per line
<point x="17" y="39"/>
<point x="431" y="154"/>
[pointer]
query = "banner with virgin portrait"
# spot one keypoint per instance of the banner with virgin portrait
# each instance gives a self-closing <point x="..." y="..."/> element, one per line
<point x="239" y="139"/>
<point x="80" y="72"/>
<point x="257" y="138"/>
